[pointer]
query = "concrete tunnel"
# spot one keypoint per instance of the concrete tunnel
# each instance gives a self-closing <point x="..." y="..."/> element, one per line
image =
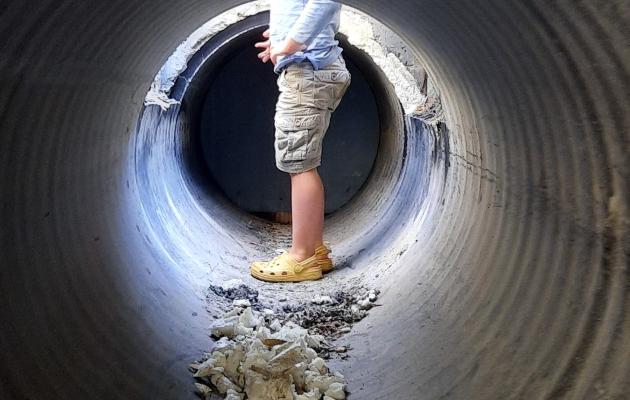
<point x="499" y="238"/>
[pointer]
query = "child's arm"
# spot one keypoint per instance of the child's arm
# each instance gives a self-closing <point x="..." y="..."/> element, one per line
<point x="314" y="17"/>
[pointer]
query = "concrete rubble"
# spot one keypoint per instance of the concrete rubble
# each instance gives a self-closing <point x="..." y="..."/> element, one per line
<point x="332" y="316"/>
<point x="257" y="363"/>
<point x="265" y="354"/>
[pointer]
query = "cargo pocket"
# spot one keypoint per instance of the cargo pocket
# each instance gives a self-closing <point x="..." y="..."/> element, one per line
<point x="297" y="142"/>
<point x="294" y="87"/>
<point x="293" y="136"/>
<point x="290" y="82"/>
<point x="332" y="85"/>
<point x="288" y="94"/>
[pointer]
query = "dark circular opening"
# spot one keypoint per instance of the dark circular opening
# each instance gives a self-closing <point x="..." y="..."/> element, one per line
<point x="236" y="130"/>
<point x="365" y="151"/>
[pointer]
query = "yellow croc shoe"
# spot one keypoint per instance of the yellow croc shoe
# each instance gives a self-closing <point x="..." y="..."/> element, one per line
<point x="284" y="268"/>
<point x="324" y="261"/>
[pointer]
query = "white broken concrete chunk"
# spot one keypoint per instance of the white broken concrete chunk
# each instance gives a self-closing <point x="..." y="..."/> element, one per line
<point x="208" y="368"/>
<point x="287" y="358"/>
<point x="233" y="395"/>
<point x="235" y="312"/>
<point x="260" y="388"/>
<point x="229" y="327"/>
<point x="243" y="303"/>
<point x="223" y="384"/>
<point x="202" y="389"/>
<point x="233" y="362"/>
<point x="251" y="363"/>
<point x="222" y="344"/>
<point x="224" y="327"/>
<point x="313" y="395"/>
<point x="318" y="365"/>
<point x="263" y="333"/>
<point x="365" y="303"/>
<point x="336" y="390"/>
<point x="290" y="332"/>
<point x="248" y="319"/>
<point x="231" y="284"/>
<point x="275" y="325"/>
<point x="315" y="341"/>
<point x="322" y="300"/>
<point x="310" y="354"/>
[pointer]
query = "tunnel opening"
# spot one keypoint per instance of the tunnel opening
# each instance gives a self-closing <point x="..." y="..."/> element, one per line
<point x="236" y="131"/>
<point x="229" y="100"/>
<point x="379" y="167"/>
<point x="183" y="197"/>
<point x="224" y="129"/>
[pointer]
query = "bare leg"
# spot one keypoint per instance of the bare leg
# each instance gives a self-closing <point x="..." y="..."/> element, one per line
<point x="307" y="202"/>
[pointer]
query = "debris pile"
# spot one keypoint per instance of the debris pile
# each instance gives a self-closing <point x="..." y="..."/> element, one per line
<point x="259" y="357"/>
<point x="236" y="290"/>
<point x="332" y="316"/>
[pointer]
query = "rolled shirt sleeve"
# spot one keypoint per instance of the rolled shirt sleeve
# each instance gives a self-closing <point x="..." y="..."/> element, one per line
<point x="314" y="17"/>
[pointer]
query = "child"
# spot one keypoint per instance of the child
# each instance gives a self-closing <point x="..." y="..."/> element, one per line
<point x="312" y="80"/>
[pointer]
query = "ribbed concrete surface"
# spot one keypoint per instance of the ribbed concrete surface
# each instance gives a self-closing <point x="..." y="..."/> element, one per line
<point x="503" y="256"/>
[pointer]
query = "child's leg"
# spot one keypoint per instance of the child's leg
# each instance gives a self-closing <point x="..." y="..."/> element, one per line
<point x="306" y="100"/>
<point x="320" y="96"/>
<point x="307" y="203"/>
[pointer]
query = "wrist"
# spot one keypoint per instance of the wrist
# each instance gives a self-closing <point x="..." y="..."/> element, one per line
<point x="291" y="46"/>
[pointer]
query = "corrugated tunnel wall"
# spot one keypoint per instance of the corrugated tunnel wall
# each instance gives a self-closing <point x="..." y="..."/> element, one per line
<point x="513" y="280"/>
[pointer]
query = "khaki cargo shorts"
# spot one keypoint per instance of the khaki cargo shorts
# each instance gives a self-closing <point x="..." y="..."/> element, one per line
<point x="307" y="99"/>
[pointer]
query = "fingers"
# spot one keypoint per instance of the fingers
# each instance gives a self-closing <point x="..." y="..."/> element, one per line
<point x="264" y="56"/>
<point x="264" y="44"/>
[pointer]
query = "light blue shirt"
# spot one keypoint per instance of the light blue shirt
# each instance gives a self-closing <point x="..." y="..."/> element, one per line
<point x="311" y="22"/>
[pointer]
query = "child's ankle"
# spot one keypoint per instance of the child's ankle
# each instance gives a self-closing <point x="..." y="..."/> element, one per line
<point x="300" y="255"/>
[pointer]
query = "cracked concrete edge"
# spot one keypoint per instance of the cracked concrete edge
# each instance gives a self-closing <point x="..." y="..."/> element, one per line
<point x="400" y="66"/>
<point x="178" y="61"/>
<point x="386" y="49"/>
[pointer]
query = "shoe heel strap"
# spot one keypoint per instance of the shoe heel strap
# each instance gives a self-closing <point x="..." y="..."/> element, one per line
<point x="299" y="266"/>
<point x="322" y="251"/>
